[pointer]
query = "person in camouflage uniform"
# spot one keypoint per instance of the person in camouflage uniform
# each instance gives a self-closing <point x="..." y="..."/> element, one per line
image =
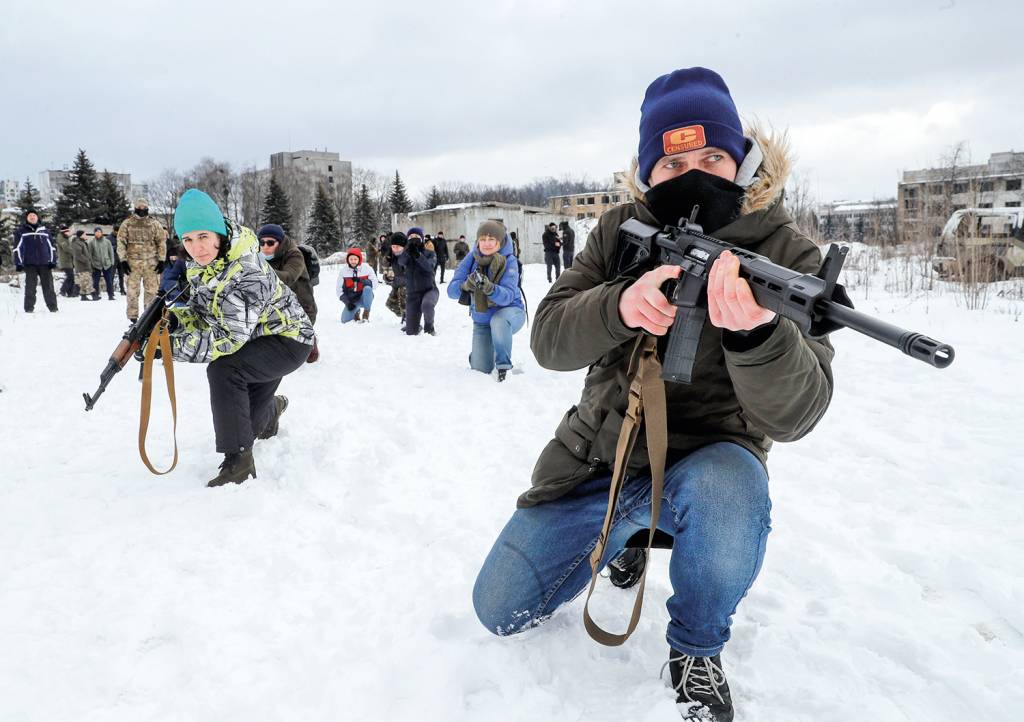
<point x="82" y="256"/>
<point x="141" y="246"/>
<point x="396" y="299"/>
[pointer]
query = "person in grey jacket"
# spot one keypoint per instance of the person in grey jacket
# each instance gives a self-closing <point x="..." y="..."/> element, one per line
<point x="102" y="256"/>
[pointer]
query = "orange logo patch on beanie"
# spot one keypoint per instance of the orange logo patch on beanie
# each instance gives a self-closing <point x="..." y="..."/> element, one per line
<point x="681" y="140"/>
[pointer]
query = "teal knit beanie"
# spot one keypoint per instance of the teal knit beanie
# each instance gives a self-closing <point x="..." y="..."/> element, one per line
<point x="196" y="211"/>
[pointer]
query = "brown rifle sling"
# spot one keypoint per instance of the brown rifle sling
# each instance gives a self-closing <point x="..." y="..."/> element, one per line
<point x="159" y="337"/>
<point x="646" y="396"/>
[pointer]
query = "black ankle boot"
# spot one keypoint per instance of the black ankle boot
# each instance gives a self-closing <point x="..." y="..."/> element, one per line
<point x="280" y="403"/>
<point x="501" y="374"/>
<point x="702" y="692"/>
<point x="235" y="469"/>
<point x="624" y="570"/>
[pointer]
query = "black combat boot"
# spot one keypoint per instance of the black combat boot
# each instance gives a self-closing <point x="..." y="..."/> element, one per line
<point x="502" y="373"/>
<point x="236" y="468"/>
<point x="624" y="570"/>
<point x="281" y="403"/>
<point x="702" y="692"/>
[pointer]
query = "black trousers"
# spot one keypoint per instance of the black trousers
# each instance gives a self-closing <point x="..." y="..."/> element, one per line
<point x="566" y="258"/>
<point x="441" y="265"/>
<point x="242" y="387"/>
<point x="108" y="276"/>
<point x="120" y="276"/>
<point x="44" y="276"/>
<point x="420" y="304"/>
<point x="551" y="260"/>
<point x="67" y="286"/>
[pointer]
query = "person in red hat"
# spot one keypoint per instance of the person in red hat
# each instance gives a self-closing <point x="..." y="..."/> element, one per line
<point x="356" y="283"/>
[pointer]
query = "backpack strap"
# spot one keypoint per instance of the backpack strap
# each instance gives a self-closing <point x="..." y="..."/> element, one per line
<point x="646" y="395"/>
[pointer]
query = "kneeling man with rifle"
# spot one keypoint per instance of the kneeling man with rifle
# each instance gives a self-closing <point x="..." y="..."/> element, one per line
<point x="678" y="454"/>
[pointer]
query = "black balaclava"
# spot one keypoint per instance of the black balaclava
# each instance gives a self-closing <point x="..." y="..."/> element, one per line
<point x="142" y="212"/>
<point x="718" y="198"/>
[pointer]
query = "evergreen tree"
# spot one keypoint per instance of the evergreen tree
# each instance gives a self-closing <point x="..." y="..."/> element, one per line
<point x="276" y="207"/>
<point x="398" y="199"/>
<point x="80" y="200"/>
<point x="29" y="198"/>
<point x="114" y="206"/>
<point x="364" y="220"/>
<point x="323" y="232"/>
<point x="434" y="199"/>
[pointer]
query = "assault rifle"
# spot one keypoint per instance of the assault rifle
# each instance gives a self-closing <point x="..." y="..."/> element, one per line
<point x="815" y="303"/>
<point x="131" y="342"/>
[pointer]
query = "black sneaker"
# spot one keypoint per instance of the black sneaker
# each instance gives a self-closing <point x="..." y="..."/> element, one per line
<point x="625" y="570"/>
<point x="702" y="692"/>
<point x="281" y="402"/>
<point x="235" y="469"/>
<point x="501" y="374"/>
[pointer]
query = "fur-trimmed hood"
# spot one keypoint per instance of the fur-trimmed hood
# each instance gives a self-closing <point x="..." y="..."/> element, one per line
<point x="764" y="172"/>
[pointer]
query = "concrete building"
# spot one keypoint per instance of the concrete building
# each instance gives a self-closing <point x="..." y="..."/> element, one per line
<point x="927" y="198"/>
<point x="872" y="222"/>
<point x="52" y="182"/>
<point x="9" y="192"/>
<point x="300" y="172"/>
<point x="592" y="204"/>
<point x="462" y="219"/>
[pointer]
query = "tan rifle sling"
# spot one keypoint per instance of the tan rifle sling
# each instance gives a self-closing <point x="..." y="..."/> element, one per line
<point x="159" y="338"/>
<point x="646" y="397"/>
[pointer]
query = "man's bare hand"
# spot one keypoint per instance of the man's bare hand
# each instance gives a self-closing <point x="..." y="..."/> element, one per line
<point x="643" y="305"/>
<point x="731" y="303"/>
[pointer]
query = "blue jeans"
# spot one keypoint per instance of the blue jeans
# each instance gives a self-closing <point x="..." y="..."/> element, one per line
<point x="716" y="508"/>
<point x="364" y="302"/>
<point x="492" y="342"/>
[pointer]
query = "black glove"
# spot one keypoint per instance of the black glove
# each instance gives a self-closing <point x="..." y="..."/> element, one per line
<point x="19" y="269"/>
<point x="160" y="266"/>
<point x="125" y="268"/>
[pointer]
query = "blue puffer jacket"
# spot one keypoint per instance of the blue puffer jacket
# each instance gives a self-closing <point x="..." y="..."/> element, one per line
<point x="505" y="294"/>
<point x="32" y="246"/>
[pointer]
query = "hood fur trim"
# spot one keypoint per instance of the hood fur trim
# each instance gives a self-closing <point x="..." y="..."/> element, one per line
<point x="768" y="181"/>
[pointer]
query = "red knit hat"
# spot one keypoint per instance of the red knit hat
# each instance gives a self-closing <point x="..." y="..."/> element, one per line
<point x="355" y="251"/>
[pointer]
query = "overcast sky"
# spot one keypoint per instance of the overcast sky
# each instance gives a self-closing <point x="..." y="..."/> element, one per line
<point x="501" y="90"/>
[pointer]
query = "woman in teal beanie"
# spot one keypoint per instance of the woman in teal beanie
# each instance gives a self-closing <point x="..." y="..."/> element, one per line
<point x="244" y="322"/>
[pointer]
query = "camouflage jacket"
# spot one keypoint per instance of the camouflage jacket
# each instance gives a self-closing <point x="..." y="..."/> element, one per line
<point x="235" y="299"/>
<point x="142" y="240"/>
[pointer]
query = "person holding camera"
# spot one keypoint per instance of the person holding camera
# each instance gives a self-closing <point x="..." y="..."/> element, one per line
<point x="356" y="282"/>
<point x="756" y="380"/>
<point x="417" y="261"/>
<point x="487" y="281"/>
<point x="396" y="299"/>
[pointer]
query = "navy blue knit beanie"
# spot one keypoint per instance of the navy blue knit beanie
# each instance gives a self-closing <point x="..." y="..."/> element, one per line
<point x="271" y="230"/>
<point x="685" y="110"/>
<point x="415" y="230"/>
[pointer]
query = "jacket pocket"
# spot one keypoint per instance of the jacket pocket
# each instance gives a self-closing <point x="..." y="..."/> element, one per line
<point x="574" y="434"/>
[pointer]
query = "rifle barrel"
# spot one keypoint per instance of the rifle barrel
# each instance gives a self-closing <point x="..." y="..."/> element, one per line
<point x="916" y="345"/>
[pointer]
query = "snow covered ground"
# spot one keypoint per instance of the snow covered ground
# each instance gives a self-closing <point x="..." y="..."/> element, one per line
<point x="337" y="585"/>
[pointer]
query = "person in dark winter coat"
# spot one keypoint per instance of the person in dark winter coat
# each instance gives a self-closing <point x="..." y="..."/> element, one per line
<point x="66" y="263"/>
<point x="490" y="277"/>
<point x="118" y="267"/>
<point x="285" y="257"/>
<point x="417" y="262"/>
<point x="173" y="280"/>
<point x="35" y="254"/>
<point x="357" y="282"/>
<point x="568" y="245"/>
<point x="441" y="249"/>
<point x="551" y="247"/>
<point x="102" y="264"/>
<point x="461" y="249"/>
<point x="755" y="380"/>
<point x="83" y="264"/>
<point x="397" y="298"/>
<point x="244" y="322"/>
<point x="373" y="253"/>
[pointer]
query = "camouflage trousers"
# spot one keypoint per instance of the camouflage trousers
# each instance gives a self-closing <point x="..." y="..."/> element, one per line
<point x="396" y="301"/>
<point x="83" y="279"/>
<point x="139" y="277"/>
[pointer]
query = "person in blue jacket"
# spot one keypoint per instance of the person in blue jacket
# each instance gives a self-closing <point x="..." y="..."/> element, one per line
<point x="34" y="253"/>
<point x="488" y="278"/>
<point x="173" y="280"/>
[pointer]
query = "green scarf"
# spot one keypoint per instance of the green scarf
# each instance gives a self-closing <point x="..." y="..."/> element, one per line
<point x="494" y="267"/>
